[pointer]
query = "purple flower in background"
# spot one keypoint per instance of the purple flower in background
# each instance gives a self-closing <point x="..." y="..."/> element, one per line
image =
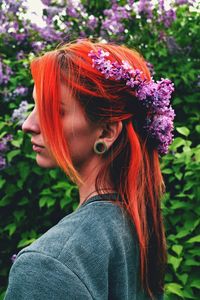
<point x="162" y="36"/>
<point x="20" y="91"/>
<point x="4" y="141"/>
<point x="92" y="22"/>
<point x="46" y="2"/>
<point x="173" y="47"/>
<point x="50" y="34"/>
<point x="112" y="24"/>
<point x="20" y="37"/>
<point x="20" y="55"/>
<point x="74" y="8"/>
<point x="5" y="72"/>
<point x="145" y="7"/>
<point x="166" y="16"/>
<point x="3" y="147"/>
<point x="2" y="163"/>
<point x="181" y="2"/>
<point x="19" y="114"/>
<point x="151" y="68"/>
<point x="53" y="11"/>
<point x="38" y="46"/>
<point x="13" y="257"/>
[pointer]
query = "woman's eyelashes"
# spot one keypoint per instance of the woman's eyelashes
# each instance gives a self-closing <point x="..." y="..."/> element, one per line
<point x="62" y="112"/>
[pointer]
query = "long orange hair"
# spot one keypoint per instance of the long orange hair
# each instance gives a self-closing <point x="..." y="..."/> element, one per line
<point x="132" y="161"/>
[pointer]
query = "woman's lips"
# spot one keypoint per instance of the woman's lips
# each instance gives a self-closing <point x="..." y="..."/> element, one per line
<point x="37" y="148"/>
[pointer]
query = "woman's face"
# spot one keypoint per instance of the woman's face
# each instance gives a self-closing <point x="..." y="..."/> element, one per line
<point x="80" y="134"/>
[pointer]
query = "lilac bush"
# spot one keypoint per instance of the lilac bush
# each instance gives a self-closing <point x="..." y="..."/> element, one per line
<point x="166" y="33"/>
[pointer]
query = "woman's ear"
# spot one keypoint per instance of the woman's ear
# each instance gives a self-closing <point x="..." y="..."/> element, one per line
<point x="110" y="133"/>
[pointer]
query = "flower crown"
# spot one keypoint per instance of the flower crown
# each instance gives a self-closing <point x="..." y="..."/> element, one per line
<point x="154" y="96"/>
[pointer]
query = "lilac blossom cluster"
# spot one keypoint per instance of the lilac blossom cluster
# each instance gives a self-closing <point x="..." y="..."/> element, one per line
<point x="19" y="114"/>
<point x="75" y="9"/>
<point x="112" y="23"/>
<point x="153" y="96"/>
<point x="20" y="91"/>
<point x="3" y="148"/>
<point x="145" y="7"/>
<point x="166" y="16"/>
<point x="13" y="257"/>
<point x="5" y="72"/>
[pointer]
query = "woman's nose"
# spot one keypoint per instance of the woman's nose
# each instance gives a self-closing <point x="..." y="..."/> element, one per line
<point x="31" y="124"/>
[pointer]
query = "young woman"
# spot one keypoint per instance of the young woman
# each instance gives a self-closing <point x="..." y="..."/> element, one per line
<point x="104" y="121"/>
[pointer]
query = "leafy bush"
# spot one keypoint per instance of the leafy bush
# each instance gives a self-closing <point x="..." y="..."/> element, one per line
<point x="33" y="199"/>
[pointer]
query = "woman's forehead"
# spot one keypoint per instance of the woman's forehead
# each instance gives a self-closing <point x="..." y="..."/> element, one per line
<point x="66" y="94"/>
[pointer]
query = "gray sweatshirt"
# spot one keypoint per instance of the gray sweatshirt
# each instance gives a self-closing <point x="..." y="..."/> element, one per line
<point x="91" y="253"/>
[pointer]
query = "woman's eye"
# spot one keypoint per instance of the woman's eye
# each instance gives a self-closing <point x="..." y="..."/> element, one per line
<point x="62" y="112"/>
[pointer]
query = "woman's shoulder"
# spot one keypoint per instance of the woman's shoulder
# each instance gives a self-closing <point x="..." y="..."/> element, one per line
<point x="94" y="227"/>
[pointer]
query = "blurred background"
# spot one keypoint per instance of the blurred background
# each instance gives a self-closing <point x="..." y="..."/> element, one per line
<point x="33" y="199"/>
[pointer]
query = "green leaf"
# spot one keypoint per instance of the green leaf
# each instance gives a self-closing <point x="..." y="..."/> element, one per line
<point x="177" y="249"/>
<point x="4" y="201"/>
<point x="188" y="293"/>
<point x="75" y="206"/>
<point x="183" y="130"/>
<point x="178" y="175"/>
<point x="25" y="242"/>
<point x="167" y="171"/>
<point x="2" y="182"/>
<point x="174" y="288"/>
<point x="182" y="233"/>
<point x="183" y="277"/>
<point x="174" y="261"/>
<point x="11" y="228"/>
<point x="12" y="154"/>
<point x="195" y="239"/>
<point x="195" y="283"/>
<point x="191" y="262"/>
<point x="177" y="143"/>
<point x="16" y="143"/>
<point x="197" y="127"/>
<point x="46" y="201"/>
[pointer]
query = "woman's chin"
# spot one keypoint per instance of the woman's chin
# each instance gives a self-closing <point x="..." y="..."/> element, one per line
<point x="45" y="162"/>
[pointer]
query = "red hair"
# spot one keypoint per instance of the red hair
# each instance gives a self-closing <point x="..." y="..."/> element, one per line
<point x="132" y="161"/>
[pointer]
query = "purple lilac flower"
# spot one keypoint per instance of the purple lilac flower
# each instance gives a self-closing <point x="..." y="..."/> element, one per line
<point x="20" y="91"/>
<point x="4" y="141"/>
<point x="20" y="55"/>
<point x="162" y="36"/>
<point x="13" y="257"/>
<point x="2" y="163"/>
<point x="5" y="72"/>
<point x="154" y="96"/>
<point x="53" y="11"/>
<point x="14" y="6"/>
<point x="145" y="7"/>
<point x="160" y="127"/>
<point x="172" y="45"/>
<point x="3" y="147"/>
<point x="92" y="22"/>
<point x="181" y="2"/>
<point x="19" y="114"/>
<point x="74" y="8"/>
<point x="46" y="2"/>
<point x="38" y="46"/>
<point x="151" y="68"/>
<point x="49" y="33"/>
<point x="165" y="16"/>
<point x="112" y="24"/>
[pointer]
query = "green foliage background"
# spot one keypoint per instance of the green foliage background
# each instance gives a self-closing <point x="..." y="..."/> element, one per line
<point x="33" y="199"/>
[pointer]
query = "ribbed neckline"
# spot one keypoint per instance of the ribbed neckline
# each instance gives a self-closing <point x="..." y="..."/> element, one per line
<point x="101" y="197"/>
